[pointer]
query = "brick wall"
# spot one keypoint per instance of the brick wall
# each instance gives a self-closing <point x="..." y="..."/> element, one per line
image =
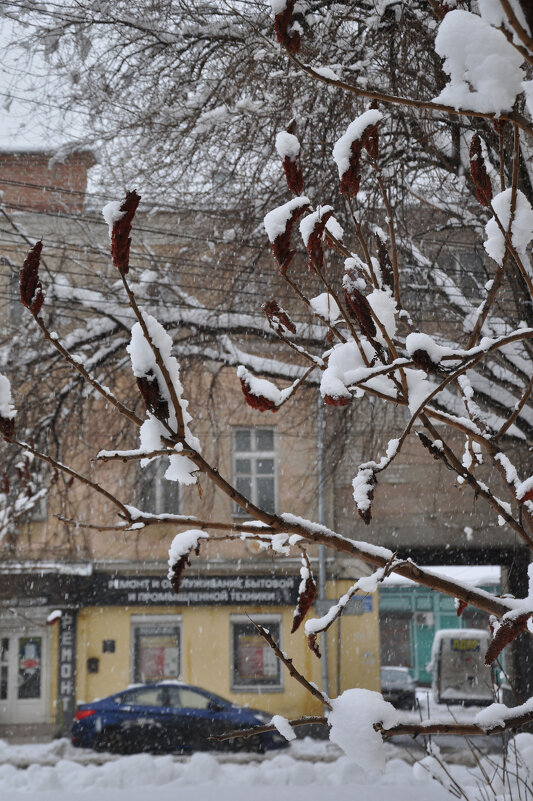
<point x="32" y="182"/>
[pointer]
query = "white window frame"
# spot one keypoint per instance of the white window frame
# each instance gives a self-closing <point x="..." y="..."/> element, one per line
<point x="158" y="488"/>
<point x="254" y="455"/>
<point x="15" y="309"/>
<point x="39" y="512"/>
<point x="138" y="621"/>
<point x="263" y="620"/>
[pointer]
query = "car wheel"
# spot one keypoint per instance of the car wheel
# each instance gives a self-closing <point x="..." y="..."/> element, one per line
<point x="109" y="740"/>
<point x="254" y="745"/>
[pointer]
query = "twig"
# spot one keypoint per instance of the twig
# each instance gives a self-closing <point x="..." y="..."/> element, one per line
<point x="303" y="721"/>
<point x="518" y="408"/>
<point x="103" y="391"/>
<point x="69" y="471"/>
<point x="265" y="634"/>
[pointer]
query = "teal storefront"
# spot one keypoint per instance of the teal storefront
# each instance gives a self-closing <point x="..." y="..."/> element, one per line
<point x="410" y="615"/>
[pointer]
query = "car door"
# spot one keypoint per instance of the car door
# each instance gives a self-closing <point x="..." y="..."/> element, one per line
<point x="142" y="721"/>
<point x="196" y="716"/>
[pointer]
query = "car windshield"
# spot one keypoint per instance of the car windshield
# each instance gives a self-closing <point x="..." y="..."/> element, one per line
<point x="395" y="675"/>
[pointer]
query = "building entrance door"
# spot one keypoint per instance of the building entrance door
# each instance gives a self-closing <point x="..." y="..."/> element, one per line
<point x="23" y="660"/>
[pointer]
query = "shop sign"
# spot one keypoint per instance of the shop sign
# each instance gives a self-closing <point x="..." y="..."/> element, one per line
<point x="194" y="590"/>
<point x="66" y="681"/>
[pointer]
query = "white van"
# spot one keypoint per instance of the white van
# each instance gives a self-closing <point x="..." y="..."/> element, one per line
<point x="460" y="675"/>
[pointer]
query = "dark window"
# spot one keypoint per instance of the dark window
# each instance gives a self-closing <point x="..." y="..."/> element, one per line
<point x="395" y="639"/>
<point x="254" y="662"/>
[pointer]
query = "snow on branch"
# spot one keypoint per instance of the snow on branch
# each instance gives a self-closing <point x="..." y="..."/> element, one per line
<point x="183" y="545"/>
<point x="7" y="409"/>
<point x="287" y="30"/>
<point x="306" y="593"/>
<point x="119" y="217"/>
<point x="521" y="228"/>
<point x="162" y="417"/>
<point x="279" y="224"/>
<point x="288" y="147"/>
<point x="484" y="68"/>
<point x="361" y="134"/>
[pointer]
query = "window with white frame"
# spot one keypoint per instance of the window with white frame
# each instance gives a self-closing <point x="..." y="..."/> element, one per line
<point x="40" y="511"/>
<point x="157" y="494"/>
<point x="15" y="306"/>
<point x="254" y="466"/>
<point x="254" y="665"/>
<point x="156" y="643"/>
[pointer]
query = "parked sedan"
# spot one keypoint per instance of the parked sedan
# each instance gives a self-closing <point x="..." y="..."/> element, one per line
<point x="167" y="717"/>
<point x="398" y="687"/>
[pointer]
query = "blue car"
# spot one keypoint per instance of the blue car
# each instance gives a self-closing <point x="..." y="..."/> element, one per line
<point x="168" y="717"/>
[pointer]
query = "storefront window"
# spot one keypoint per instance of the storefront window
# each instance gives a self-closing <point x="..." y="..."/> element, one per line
<point x="254" y="663"/>
<point x="156" y="651"/>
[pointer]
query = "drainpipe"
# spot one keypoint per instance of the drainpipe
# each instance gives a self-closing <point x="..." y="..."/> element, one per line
<point x="321" y="548"/>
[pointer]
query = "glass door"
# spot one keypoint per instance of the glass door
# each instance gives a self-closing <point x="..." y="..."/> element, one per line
<point x="22" y="668"/>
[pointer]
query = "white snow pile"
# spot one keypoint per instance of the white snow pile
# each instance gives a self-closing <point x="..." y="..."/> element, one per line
<point x="384" y="306"/>
<point x="308" y="223"/>
<point x="524" y="487"/>
<point x="346" y="367"/>
<point x="419" y="388"/>
<point x="527" y="86"/>
<point x="284" y="727"/>
<point x="262" y="387"/>
<point x="278" y="7"/>
<point x="327" y="72"/>
<point x="342" y="149"/>
<point x="113" y="214"/>
<point x="352" y="722"/>
<point x="326" y="306"/>
<point x="182" y="544"/>
<point x="335" y="228"/>
<point x="419" y="341"/>
<point x="363" y="487"/>
<point x="306" y="771"/>
<point x="7" y="410"/>
<point x="143" y="363"/>
<point x="521" y="229"/>
<point x="276" y="220"/>
<point x="493" y="13"/>
<point x="287" y="145"/>
<point x="484" y="68"/>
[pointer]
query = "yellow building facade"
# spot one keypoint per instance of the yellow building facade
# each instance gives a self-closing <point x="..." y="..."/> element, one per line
<point x="124" y="629"/>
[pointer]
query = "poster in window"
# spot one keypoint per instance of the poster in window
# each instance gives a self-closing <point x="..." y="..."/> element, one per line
<point x="254" y="661"/>
<point x="157" y="656"/>
<point x="29" y="667"/>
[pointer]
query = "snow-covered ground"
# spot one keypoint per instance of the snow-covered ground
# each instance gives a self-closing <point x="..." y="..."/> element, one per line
<point x="307" y="771"/>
